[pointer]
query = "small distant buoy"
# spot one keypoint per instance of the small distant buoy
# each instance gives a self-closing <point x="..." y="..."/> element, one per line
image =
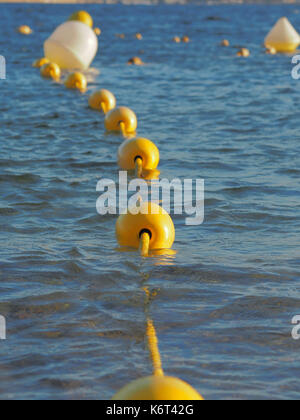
<point x="283" y="37"/>
<point x="97" y="31"/>
<point x="271" y="51"/>
<point x="152" y="220"/>
<point x="102" y="100"/>
<point x="155" y="388"/>
<point x="140" y="154"/>
<point x="121" y="36"/>
<point x="177" y="39"/>
<point x="225" y="43"/>
<point x="25" y="30"/>
<point x="121" y="119"/>
<point x="185" y="39"/>
<point x="244" y="52"/>
<point x="51" y="71"/>
<point x="139" y="36"/>
<point x="135" y="61"/>
<point x="82" y="16"/>
<point x="76" y="80"/>
<point x="40" y="62"/>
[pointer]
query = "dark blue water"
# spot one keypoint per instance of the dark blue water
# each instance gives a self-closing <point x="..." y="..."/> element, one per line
<point x="74" y="303"/>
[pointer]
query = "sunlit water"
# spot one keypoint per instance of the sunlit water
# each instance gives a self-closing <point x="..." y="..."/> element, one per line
<point x="74" y="303"/>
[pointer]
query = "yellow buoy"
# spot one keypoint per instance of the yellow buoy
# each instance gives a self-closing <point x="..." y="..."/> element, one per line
<point x="135" y="61"/>
<point x="271" y="51"/>
<point x="121" y="119"/>
<point x="83" y="17"/>
<point x="139" y="36"/>
<point x="25" y="30"/>
<point x="158" y="388"/>
<point x="102" y="100"/>
<point x="244" y="52"/>
<point x="185" y="39"/>
<point x="40" y="62"/>
<point x="283" y="37"/>
<point x="76" y="80"/>
<point x="132" y="150"/>
<point x="177" y="39"/>
<point x="225" y="43"/>
<point x="153" y="220"/>
<point x="51" y="71"/>
<point x="97" y="31"/>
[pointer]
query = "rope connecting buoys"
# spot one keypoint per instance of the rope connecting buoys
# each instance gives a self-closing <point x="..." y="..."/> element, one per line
<point x="153" y="349"/>
<point x="40" y="62"/>
<point x="25" y="30"/>
<point x="76" y="80"/>
<point x="152" y="220"/>
<point x="139" y="154"/>
<point x="73" y="45"/>
<point x="157" y="387"/>
<point x="51" y="71"/>
<point x="82" y="16"/>
<point x="102" y="100"/>
<point x="283" y="37"/>
<point x="121" y="119"/>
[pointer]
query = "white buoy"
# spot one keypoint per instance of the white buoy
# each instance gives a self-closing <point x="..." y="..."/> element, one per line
<point x="73" y="46"/>
<point x="283" y="37"/>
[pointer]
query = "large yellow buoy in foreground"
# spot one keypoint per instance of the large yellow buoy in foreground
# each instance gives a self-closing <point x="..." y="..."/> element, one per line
<point x="158" y="388"/>
<point x="102" y="100"/>
<point x="40" y="62"/>
<point x="283" y="37"/>
<point x="121" y="119"/>
<point x="151" y="219"/>
<point x="25" y="30"/>
<point x="132" y="150"/>
<point x="76" y="80"/>
<point x="82" y="16"/>
<point x="51" y="71"/>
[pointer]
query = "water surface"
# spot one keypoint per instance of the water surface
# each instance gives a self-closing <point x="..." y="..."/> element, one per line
<point x="74" y="303"/>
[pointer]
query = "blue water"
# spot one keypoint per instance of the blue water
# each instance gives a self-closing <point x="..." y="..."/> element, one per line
<point x="74" y="303"/>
